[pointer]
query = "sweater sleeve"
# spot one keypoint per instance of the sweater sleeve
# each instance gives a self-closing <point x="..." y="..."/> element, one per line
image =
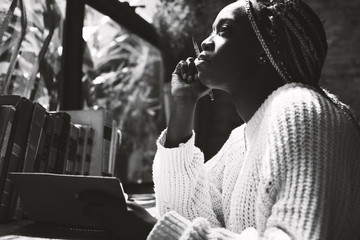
<point x="173" y="226"/>
<point x="181" y="182"/>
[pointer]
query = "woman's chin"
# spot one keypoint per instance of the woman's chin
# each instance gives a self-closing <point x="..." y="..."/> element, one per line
<point x="206" y="80"/>
<point x="203" y="80"/>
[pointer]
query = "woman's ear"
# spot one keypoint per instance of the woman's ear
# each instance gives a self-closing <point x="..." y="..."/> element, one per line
<point x="261" y="58"/>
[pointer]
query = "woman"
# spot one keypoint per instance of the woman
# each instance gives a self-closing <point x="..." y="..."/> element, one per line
<point x="292" y="170"/>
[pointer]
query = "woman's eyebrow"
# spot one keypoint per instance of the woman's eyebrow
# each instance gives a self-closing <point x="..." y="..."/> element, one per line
<point x="223" y="21"/>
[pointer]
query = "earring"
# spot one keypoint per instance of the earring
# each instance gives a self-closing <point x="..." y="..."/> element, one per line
<point x="262" y="60"/>
<point x="211" y="95"/>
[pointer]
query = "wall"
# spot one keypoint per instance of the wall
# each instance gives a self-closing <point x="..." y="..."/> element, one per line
<point x="341" y="73"/>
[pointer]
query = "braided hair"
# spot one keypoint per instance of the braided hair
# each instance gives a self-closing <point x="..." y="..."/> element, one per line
<point x="294" y="41"/>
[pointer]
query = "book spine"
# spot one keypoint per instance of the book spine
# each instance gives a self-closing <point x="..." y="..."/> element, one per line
<point x="7" y="113"/>
<point x="113" y="149"/>
<point x="55" y="144"/>
<point x="80" y="149"/>
<point x="12" y="101"/>
<point x="89" y="146"/>
<point x="72" y="149"/>
<point x="36" y="128"/>
<point x="107" y="134"/>
<point x="15" y="154"/>
<point x="63" y="142"/>
<point x="117" y="144"/>
<point x="42" y="157"/>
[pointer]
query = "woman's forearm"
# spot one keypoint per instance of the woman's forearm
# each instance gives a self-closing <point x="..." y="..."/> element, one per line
<point x="181" y="123"/>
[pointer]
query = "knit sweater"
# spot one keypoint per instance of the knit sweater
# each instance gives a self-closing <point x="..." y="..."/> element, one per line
<point x="291" y="172"/>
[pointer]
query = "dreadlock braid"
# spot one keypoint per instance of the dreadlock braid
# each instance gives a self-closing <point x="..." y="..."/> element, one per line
<point x="278" y="65"/>
<point x="296" y="66"/>
<point x="314" y="28"/>
<point x="306" y="39"/>
<point x="346" y="109"/>
<point x="294" y="40"/>
<point x="305" y="50"/>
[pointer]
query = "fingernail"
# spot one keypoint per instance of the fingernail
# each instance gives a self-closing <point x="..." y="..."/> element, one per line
<point x="191" y="78"/>
<point x="184" y="76"/>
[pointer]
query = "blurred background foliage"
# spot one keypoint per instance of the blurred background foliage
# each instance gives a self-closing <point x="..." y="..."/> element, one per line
<point x="124" y="73"/>
<point x="38" y="65"/>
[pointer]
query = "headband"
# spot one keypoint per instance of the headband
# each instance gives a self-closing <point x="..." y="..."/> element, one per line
<point x="278" y="65"/>
<point x="284" y="10"/>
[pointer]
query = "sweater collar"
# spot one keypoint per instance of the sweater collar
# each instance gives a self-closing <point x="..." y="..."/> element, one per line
<point x="252" y="125"/>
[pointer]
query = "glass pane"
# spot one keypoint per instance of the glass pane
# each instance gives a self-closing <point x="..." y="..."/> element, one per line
<point x="123" y="73"/>
<point x="36" y="72"/>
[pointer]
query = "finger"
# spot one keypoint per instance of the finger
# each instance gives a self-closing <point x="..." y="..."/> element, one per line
<point x="177" y="69"/>
<point x="191" y="69"/>
<point x="181" y="69"/>
<point x="196" y="76"/>
<point x="184" y="70"/>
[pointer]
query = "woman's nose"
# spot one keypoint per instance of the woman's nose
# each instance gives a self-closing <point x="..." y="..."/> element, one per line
<point x="207" y="44"/>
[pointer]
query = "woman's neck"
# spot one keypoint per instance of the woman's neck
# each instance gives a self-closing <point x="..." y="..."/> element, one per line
<point x="249" y="100"/>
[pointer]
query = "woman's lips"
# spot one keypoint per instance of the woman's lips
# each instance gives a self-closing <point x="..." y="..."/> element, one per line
<point x="202" y="58"/>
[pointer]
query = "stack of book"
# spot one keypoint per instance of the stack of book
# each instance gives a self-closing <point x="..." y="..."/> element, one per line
<point x="81" y="142"/>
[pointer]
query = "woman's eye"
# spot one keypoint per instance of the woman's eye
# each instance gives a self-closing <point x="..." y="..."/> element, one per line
<point x="224" y="29"/>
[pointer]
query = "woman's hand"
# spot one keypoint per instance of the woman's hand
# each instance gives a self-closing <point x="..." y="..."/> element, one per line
<point x="128" y="221"/>
<point x="185" y="84"/>
<point x="186" y="89"/>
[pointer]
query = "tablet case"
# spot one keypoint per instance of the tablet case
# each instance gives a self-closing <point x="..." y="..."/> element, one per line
<point x="50" y="198"/>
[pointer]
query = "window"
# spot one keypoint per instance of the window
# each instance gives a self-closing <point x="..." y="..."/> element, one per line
<point x="36" y="73"/>
<point x="123" y="73"/>
<point x="121" y="69"/>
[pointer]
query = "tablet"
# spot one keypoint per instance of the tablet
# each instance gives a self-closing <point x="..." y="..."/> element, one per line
<point x="50" y="198"/>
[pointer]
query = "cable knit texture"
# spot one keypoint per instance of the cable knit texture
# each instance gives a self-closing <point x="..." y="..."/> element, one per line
<point x="291" y="172"/>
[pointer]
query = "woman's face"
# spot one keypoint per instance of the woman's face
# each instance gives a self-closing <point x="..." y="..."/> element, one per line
<point x="229" y="53"/>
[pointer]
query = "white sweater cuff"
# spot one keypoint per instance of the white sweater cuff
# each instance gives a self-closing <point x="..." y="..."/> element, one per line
<point x="177" y="155"/>
<point x="170" y="226"/>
